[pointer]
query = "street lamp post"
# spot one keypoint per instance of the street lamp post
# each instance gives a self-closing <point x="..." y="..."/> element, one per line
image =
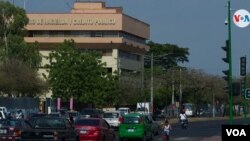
<point x="230" y="63"/>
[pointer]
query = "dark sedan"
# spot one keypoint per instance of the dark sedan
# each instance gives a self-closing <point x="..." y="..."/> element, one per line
<point x="10" y="129"/>
<point x="50" y="129"/>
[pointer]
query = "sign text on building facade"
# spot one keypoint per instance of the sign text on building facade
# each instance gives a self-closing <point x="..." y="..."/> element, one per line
<point x="82" y="21"/>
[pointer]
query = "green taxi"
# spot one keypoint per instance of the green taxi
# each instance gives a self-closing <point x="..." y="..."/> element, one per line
<point x="135" y="126"/>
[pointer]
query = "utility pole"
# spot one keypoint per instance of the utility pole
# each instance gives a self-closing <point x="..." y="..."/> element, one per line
<point x="152" y="83"/>
<point x="180" y="96"/>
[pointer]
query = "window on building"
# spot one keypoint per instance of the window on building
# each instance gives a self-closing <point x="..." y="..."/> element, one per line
<point x="98" y="34"/>
<point x="107" y="52"/>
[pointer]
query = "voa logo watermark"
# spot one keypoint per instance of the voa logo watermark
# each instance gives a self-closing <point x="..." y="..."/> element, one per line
<point x="236" y="132"/>
<point x="241" y="18"/>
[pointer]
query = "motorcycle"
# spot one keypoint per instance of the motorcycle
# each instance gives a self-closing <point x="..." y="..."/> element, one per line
<point x="184" y="124"/>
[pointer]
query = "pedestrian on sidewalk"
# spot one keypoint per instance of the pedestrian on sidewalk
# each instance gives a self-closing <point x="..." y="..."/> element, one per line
<point x="166" y="130"/>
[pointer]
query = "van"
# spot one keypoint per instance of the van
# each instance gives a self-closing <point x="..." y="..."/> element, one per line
<point x="189" y="109"/>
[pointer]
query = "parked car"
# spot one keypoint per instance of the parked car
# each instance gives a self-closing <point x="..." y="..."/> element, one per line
<point x="94" y="129"/>
<point x="49" y="128"/>
<point x="10" y="129"/>
<point x="112" y="117"/>
<point x="135" y="126"/>
<point x="92" y="112"/>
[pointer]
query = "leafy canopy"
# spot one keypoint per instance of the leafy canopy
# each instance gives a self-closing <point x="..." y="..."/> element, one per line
<point x="73" y="72"/>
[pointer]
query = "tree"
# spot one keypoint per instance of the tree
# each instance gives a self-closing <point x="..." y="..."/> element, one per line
<point x="167" y="55"/>
<point x="18" y="80"/>
<point x="78" y="74"/>
<point x="18" y="55"/>
<point x="12" y="22"/>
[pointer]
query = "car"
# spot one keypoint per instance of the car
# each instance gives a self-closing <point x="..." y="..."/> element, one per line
<point x="55" y="114"/>
<point x="189" y="109"/>
<point x="112" y="117"/>
<point x="135" y="126"/>
<point x="94" y="129"/>
<point x="124" y="110"/>
<point x="10" y="129"/>
<point x="91" y="112"/>
<point x="74" y="114"/>
<point x="50" y="128"/>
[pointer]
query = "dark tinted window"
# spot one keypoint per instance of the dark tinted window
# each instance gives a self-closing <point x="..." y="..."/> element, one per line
<point x="49" y="123"/>
<point x="88" y="122"/>
<point x="111" y="115"/>
<point x="130" y="120"/>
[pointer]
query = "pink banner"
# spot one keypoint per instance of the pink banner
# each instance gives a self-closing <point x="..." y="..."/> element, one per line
<point x="71" y="103"/>
<point x="58" y="103"/>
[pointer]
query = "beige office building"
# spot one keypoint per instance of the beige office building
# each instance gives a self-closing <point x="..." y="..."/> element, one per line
<point x="92" y="25"/>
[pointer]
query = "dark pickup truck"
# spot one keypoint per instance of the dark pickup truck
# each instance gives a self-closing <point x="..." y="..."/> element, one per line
<point x="50" y="129"/>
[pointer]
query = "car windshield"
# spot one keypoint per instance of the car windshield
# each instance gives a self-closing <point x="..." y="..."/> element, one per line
<point x="49" y="123"/>
<point x="87" y="122"/>
<point x="130" y="120"/>
<point x="111" y="115"/>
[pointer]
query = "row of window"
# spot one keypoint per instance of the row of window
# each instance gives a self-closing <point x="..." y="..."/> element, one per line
<point x="130" y="56"/>
<point x="86" y="34"/>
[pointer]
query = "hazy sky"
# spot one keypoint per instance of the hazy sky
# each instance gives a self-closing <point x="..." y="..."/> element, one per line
<point x="195" y="24"/>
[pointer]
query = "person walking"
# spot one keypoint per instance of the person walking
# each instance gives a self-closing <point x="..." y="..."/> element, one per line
<point x="166" y="130"/>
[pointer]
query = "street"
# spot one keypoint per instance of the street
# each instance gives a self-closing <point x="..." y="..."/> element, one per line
<point x="199" y="131"/>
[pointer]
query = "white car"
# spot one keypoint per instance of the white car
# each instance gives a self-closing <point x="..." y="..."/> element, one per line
<point x="112" y="117"/>
<point x="124" y="110"/>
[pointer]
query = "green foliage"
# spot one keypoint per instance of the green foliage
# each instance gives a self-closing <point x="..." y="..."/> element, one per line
<point x="82" y="75"/>
<point x="17" y="79"/>
<point x="167" y="55"/>
<point x="19" y="61"/>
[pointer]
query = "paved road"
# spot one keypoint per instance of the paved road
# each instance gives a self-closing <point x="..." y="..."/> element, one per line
<point x="199" y="131"/>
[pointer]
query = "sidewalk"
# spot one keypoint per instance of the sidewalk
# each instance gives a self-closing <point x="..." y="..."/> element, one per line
<point x="196" y="119"/>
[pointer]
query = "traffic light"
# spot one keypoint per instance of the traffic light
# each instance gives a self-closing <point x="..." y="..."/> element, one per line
<point x="236" y="89"/>
<point x="243" y="66"/>
<point x="247" y="94"/>
<point x="226" y="60"/>
<point x="226" y="49"/>
<point x="243" y="86"/>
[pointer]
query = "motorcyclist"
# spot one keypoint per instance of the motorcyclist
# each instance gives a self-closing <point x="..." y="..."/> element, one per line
<point x="183" y="119"/>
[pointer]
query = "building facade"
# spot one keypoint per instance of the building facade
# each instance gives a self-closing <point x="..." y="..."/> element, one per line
<point x="121" y="39"/>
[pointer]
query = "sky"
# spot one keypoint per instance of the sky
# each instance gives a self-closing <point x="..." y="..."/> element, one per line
<point x="194" y="24"/>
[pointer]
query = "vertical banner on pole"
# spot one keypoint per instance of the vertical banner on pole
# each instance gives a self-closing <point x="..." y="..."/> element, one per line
<point x="58" y="103"/>
<point x="71" y="103"/>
